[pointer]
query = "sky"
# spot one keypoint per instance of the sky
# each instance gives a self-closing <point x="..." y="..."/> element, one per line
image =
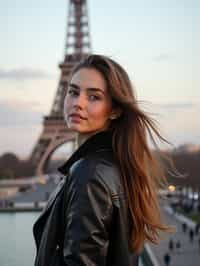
<point x="156" y="41"/>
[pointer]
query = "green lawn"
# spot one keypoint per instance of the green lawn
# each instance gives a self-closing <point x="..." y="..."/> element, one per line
<point x="194" y="216"/>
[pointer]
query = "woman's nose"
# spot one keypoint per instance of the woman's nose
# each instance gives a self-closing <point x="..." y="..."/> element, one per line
<point x="79" y="101"/>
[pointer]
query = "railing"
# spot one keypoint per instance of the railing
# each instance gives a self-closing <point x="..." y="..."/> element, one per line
<point x="22" y="181"/>
<point x="148" y="258"/>
<point x="10" y="206"/>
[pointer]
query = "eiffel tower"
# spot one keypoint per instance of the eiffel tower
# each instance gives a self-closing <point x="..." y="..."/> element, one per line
<point x="55" y="132"/>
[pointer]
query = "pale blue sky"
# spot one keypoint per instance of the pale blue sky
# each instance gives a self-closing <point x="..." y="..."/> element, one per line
<point x="156" y="41"/>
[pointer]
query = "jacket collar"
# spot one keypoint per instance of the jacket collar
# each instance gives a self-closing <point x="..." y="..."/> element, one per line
<point x="99" y="141"/>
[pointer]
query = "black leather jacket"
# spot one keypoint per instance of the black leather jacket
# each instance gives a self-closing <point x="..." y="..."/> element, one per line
<point x="85" y="221"/>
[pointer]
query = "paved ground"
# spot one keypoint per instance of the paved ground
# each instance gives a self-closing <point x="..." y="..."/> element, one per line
<point x="189" y="254"/>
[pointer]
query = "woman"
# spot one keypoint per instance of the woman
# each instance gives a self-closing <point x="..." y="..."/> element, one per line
<point x="106" y="208"/>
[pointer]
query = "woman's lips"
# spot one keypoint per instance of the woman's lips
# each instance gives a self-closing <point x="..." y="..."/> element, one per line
<point x="76" y="118"/>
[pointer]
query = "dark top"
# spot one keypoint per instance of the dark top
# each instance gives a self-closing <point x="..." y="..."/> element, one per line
<point x="86" y="221"/>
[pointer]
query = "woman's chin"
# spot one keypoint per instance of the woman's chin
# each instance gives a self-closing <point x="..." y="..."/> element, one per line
<point x="75" y="127"/>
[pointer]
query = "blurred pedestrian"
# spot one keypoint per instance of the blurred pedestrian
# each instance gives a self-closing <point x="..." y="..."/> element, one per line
<point x="171" y="245"/>
<point x="184" y="227"/>
<point x="178" y="246"/>
<point x="191" y="235"/>
<point x="197" y="227"/>
<point x="167" y="259"/>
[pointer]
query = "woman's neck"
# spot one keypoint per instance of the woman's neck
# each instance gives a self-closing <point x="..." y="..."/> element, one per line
<point x="81" y="138"/>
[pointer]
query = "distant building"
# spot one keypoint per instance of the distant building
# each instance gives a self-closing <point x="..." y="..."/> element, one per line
<point x="188" y="147"/>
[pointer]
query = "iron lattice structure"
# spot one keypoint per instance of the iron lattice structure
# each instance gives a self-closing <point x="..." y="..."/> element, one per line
<point x="78" y="45"/>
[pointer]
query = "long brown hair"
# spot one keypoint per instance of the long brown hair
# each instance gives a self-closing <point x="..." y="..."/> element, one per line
<point x="140" y="169"/>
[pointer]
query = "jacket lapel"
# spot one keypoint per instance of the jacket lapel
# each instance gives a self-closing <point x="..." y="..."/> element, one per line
<point x="52" y="198"/>
<point x="39" y="225"/>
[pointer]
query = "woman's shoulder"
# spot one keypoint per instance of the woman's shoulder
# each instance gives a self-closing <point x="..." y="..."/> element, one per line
<point x="100" y="167"/>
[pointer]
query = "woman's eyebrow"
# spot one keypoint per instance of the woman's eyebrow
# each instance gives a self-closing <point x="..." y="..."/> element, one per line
<point x="75" y="86"/>
<point x="96" y="90"/>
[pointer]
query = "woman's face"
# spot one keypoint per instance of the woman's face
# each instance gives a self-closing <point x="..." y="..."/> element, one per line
<point x="87" y="104"/>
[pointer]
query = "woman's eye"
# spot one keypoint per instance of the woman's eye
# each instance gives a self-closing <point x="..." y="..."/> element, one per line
<point x="94" y="97"/>
<point x="72" y="92"/>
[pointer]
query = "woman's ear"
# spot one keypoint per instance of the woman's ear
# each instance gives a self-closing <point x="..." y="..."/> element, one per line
<point x="115" y="113"/>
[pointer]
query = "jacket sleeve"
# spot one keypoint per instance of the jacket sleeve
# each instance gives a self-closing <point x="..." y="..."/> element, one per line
<point x="88" y="216"/>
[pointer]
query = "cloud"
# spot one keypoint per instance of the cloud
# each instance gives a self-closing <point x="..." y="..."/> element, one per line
<point x="23" y="74"/>
<point x="169" y="107"/>
<point x="177" y="106"/>
<point x="20" y="113"/>
<point x="20" y="140"/>
<point x="179" y="121"/>
<point x="163" y="57"/>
